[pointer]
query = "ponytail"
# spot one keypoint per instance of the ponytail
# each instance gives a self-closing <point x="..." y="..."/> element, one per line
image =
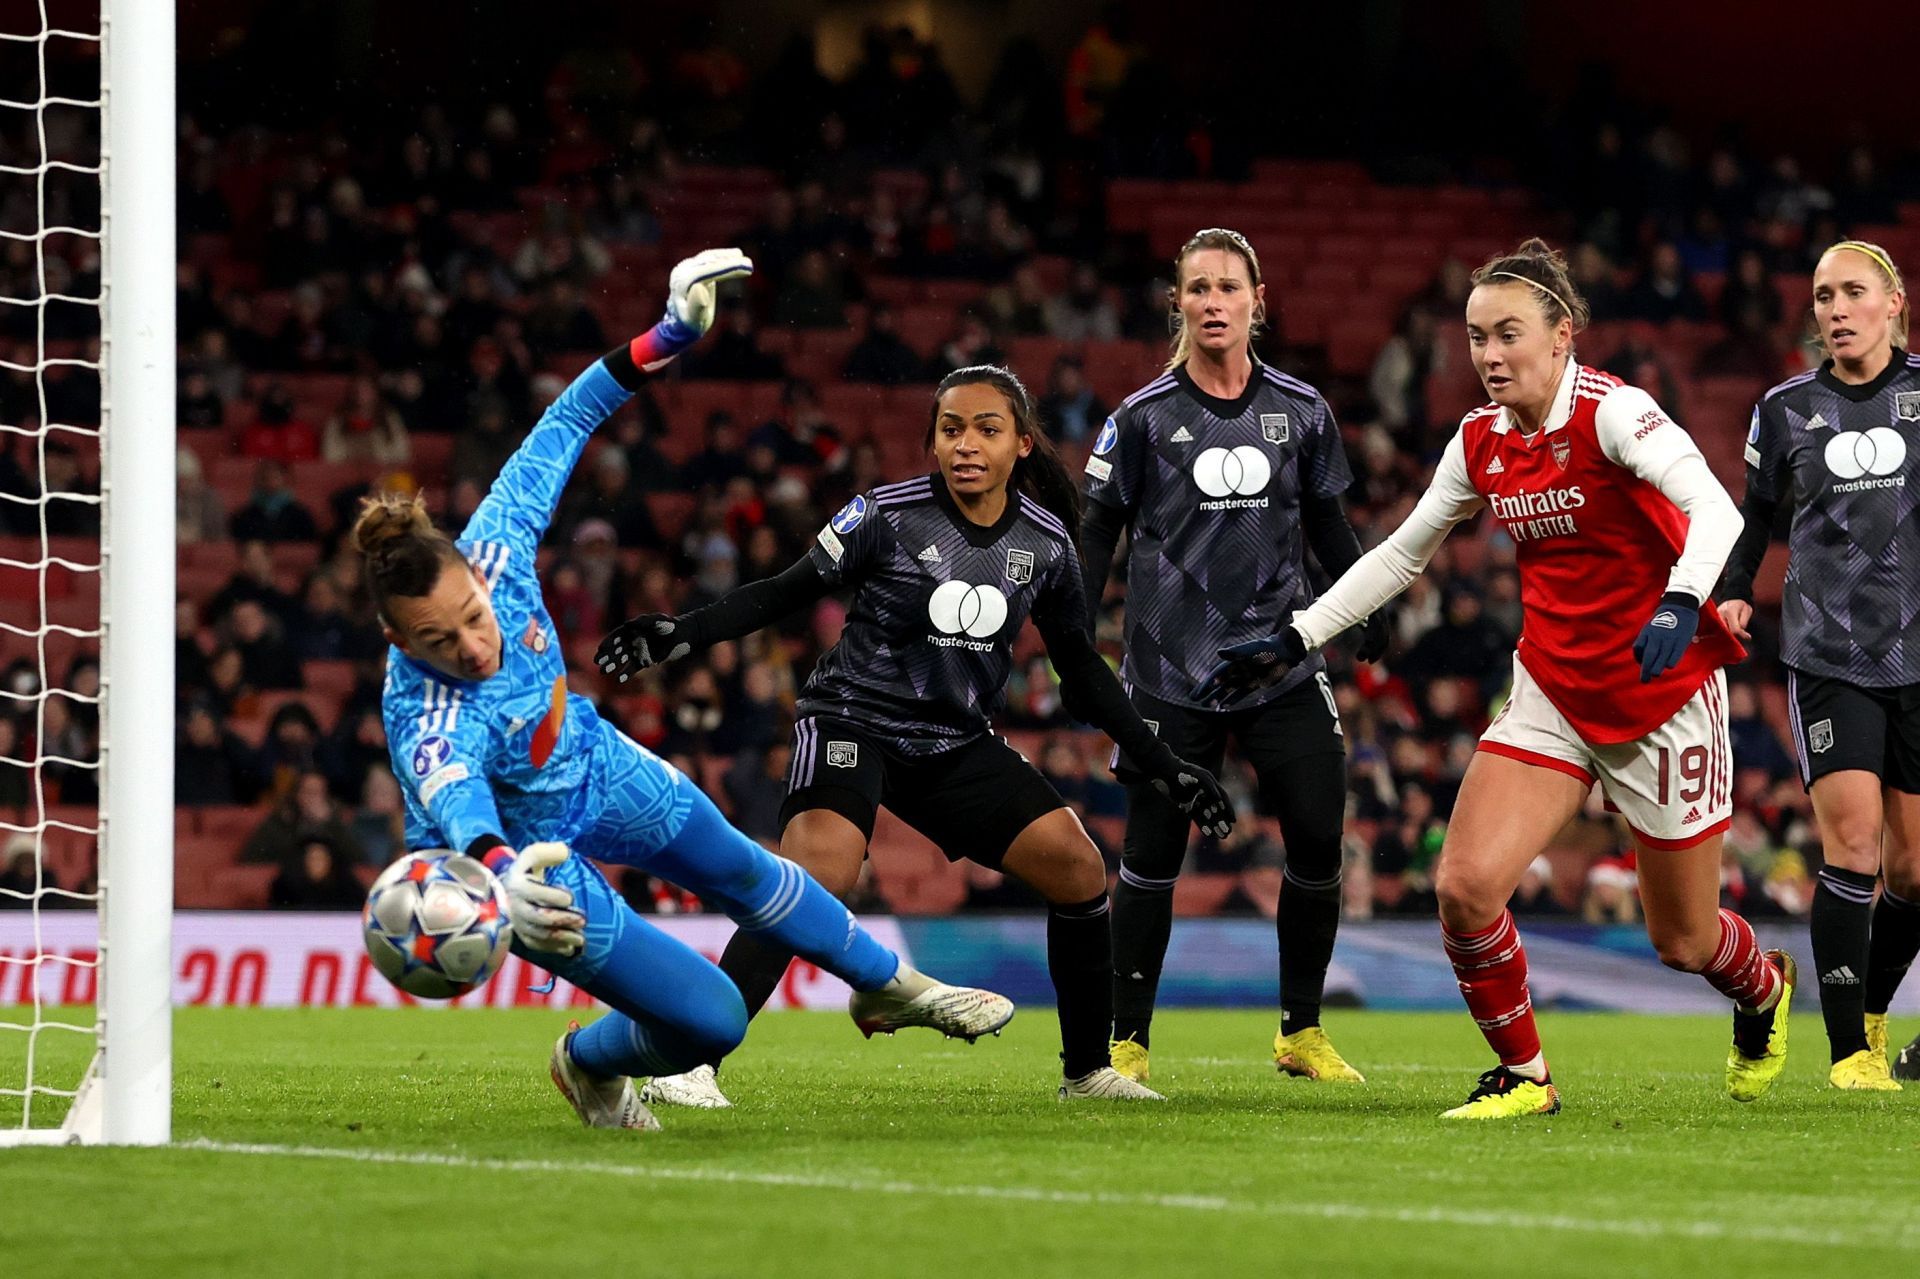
<point x="405" y="554"/>
<point x="1041" y="475"/>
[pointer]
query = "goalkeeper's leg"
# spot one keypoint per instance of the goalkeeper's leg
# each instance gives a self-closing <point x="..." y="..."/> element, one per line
<point x="672" y="1008"/>
<point x="787" y="909"/>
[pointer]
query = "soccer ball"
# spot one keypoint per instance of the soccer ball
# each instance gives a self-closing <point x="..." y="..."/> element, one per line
<point x="436" y="924"/>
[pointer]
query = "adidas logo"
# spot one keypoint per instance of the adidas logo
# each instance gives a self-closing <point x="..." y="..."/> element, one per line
<point x="1693" y="815"/>
<point x="1182" y="436"/>
<point x="1816" y="423"/>
<point x="1841" y="976"/>
<point x="929" y="556"/>
<point x="1496" y="467"/>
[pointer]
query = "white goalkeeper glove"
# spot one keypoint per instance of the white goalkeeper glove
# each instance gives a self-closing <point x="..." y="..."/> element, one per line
<point x="690" y="296"/>
<point x="542" y="914"/>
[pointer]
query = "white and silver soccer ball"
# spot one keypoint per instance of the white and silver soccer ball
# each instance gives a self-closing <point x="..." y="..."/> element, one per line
<point x="436" y="925"/>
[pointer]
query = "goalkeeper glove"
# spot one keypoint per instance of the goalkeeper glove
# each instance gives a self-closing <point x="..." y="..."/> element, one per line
<point x="690" y="303"/>
<point x="1251" y="665"/>
<point x="1374" y="637"/>
<point x="1663" y="640"/>
<point x="542" y="914"/>
<point x="644" y="641"/>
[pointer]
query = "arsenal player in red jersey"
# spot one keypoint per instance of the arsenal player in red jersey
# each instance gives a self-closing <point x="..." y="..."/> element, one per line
<point x="1620" y="532"/>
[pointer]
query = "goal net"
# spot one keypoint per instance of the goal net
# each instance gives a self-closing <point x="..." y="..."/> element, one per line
<point x="86" y="568"/>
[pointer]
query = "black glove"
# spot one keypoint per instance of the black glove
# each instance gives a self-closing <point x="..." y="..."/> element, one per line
<point x="1663" y="640"/>
<point x="1198" y="794"/>
<point x="1251" y="665"/>
<point x="1374" y="637"/>
<point x="646" y="640"/>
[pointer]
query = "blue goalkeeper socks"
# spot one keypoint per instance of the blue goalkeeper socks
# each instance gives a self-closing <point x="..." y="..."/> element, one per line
<point x="772" y="897"/>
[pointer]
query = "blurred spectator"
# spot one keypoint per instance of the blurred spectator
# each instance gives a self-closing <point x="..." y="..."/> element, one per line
<point x="72" y="508"/>
<point x="1755" y="744"/>
<point x="319" y="880"/>
<point x="1466" y="644"/>
<point x="972" y="343"/>
<point x="1070" y="410"/>
<point x="211" y="765"/>
<point x="1082" y="312"/>
<point x="813" y="297"/>
<point x="733" y="351"/>
<point x="305" y="811"/>
<point x="801" y="434"/>
<point x="199" y="514"/>
<point x="292" y="748"/>
<point x="1535" y="894"/>
<point x="719" y="462"/>
<point x="609" y="494"/>
<point x="278" y="432"/>
<point x="15" y="771"/>
<point x="485" y="445"/>
<point x="880" y="355"/>
<point x="380" y="821"/>
<point x="273" y="513"/>
<point x="560" y="321"/>
<point x="198" y="405"/>
<point x="1663" y="292"/>
<point x="1612" y="893"/>
<point x="254" y="580"/>
<point x="268" y="661"/>
<point x="20" y="873"/>
<point x="756" y="787"/>
<point x="365" y="428"/>
<point x="1398" y="380"/>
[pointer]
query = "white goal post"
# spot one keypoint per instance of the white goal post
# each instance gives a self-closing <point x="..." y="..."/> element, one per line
<point x="125" y="1096"/>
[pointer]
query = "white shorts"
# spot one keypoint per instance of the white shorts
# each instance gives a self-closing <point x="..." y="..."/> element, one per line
<point x="1674" y="786"/>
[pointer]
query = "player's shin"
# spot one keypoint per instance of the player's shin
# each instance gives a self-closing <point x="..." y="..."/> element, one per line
<point x="1080" y="961"/>
<point x="1740" y="970"/>
<point x="1895" y="942"/>
<point x="1491" y="967"/>
<point x="1842" y="916"/>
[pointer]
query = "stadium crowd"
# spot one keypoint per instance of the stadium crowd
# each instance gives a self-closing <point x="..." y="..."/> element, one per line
<point x="351" y="319"/>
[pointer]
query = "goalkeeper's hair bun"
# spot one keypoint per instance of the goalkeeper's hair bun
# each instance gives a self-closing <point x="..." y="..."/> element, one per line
<point x="405" y="553"/>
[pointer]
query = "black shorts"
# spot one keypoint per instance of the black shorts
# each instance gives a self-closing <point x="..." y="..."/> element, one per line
<point x="1837" y="725"/>
<point x="972" y="801"/>
<point x="1298" y="723"/>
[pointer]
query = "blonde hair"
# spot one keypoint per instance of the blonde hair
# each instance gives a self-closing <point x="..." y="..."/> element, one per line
<point x="404" y="552"/>
<point x="1544" y="267"/>
<point x="1218" y="237"/>
<point x="1889" y="276"/>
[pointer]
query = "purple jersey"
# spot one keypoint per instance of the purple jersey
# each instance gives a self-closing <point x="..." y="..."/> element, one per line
<point x="1845" y="457"/>
<point x="937" y="604"/>
<point x="1211" y="489"/>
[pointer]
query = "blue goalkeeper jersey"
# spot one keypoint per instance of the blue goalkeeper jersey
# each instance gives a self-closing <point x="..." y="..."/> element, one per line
<point x="513" y="754"/>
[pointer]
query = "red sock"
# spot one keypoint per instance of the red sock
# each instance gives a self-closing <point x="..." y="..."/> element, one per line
<point x="1491" y="966"/>
<point x="1739" y="970"/>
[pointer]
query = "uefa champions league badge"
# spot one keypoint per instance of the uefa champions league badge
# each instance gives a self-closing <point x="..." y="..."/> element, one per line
<point x="1108" y="437"/>
<point x="430" y="754"/>
<point x="850" y="515"/>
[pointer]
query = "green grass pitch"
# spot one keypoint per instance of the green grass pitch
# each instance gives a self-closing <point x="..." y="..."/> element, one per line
<point x="350" y="1142"/>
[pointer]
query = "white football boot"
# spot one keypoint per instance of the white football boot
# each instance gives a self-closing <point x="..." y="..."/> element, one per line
<point x="699" y="1088"/>
<point x="1107" y="1084"/>
<point x="914" y="999"/>
<point x="600" y="1103"/>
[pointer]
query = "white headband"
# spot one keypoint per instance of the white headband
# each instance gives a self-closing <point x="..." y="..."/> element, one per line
<point x="1543" y="288"/>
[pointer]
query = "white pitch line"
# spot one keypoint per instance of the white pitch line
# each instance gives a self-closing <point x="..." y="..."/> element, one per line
<point x="1765" y="1232"/>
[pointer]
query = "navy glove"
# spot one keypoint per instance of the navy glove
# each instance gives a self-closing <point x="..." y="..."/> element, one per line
<point x="1663" y="640"/>
<point x="1251" y="665"/>
<point x="1198" y="794"/>
<point x="644" y="641"/>
<point x="1374" y="638"/>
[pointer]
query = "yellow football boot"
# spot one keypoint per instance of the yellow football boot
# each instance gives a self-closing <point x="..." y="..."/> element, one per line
<point x="1311" y="1055"/>
<point x="1759" y="1051"/>
<point x="1129" y="1058"/>
<point x="1501" y="1094"/>
<point x="1877" y="1035"/>
<point x="1863" y="1072"/>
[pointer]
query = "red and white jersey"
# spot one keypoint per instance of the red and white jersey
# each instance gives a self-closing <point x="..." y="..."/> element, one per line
<point x="1609" y="506"/>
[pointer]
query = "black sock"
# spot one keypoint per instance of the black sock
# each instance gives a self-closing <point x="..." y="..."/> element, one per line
<point x="756" y="967"/>
<point x="1842" y="915"/>
<point x="1080" y="961"/>
<point x="1309" y="917"/>
<point x="1896" y="940"/>
<point x="1142" y="926"/>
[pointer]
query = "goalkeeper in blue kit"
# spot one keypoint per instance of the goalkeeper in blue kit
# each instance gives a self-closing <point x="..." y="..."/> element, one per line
<point x="497" y="759"/>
